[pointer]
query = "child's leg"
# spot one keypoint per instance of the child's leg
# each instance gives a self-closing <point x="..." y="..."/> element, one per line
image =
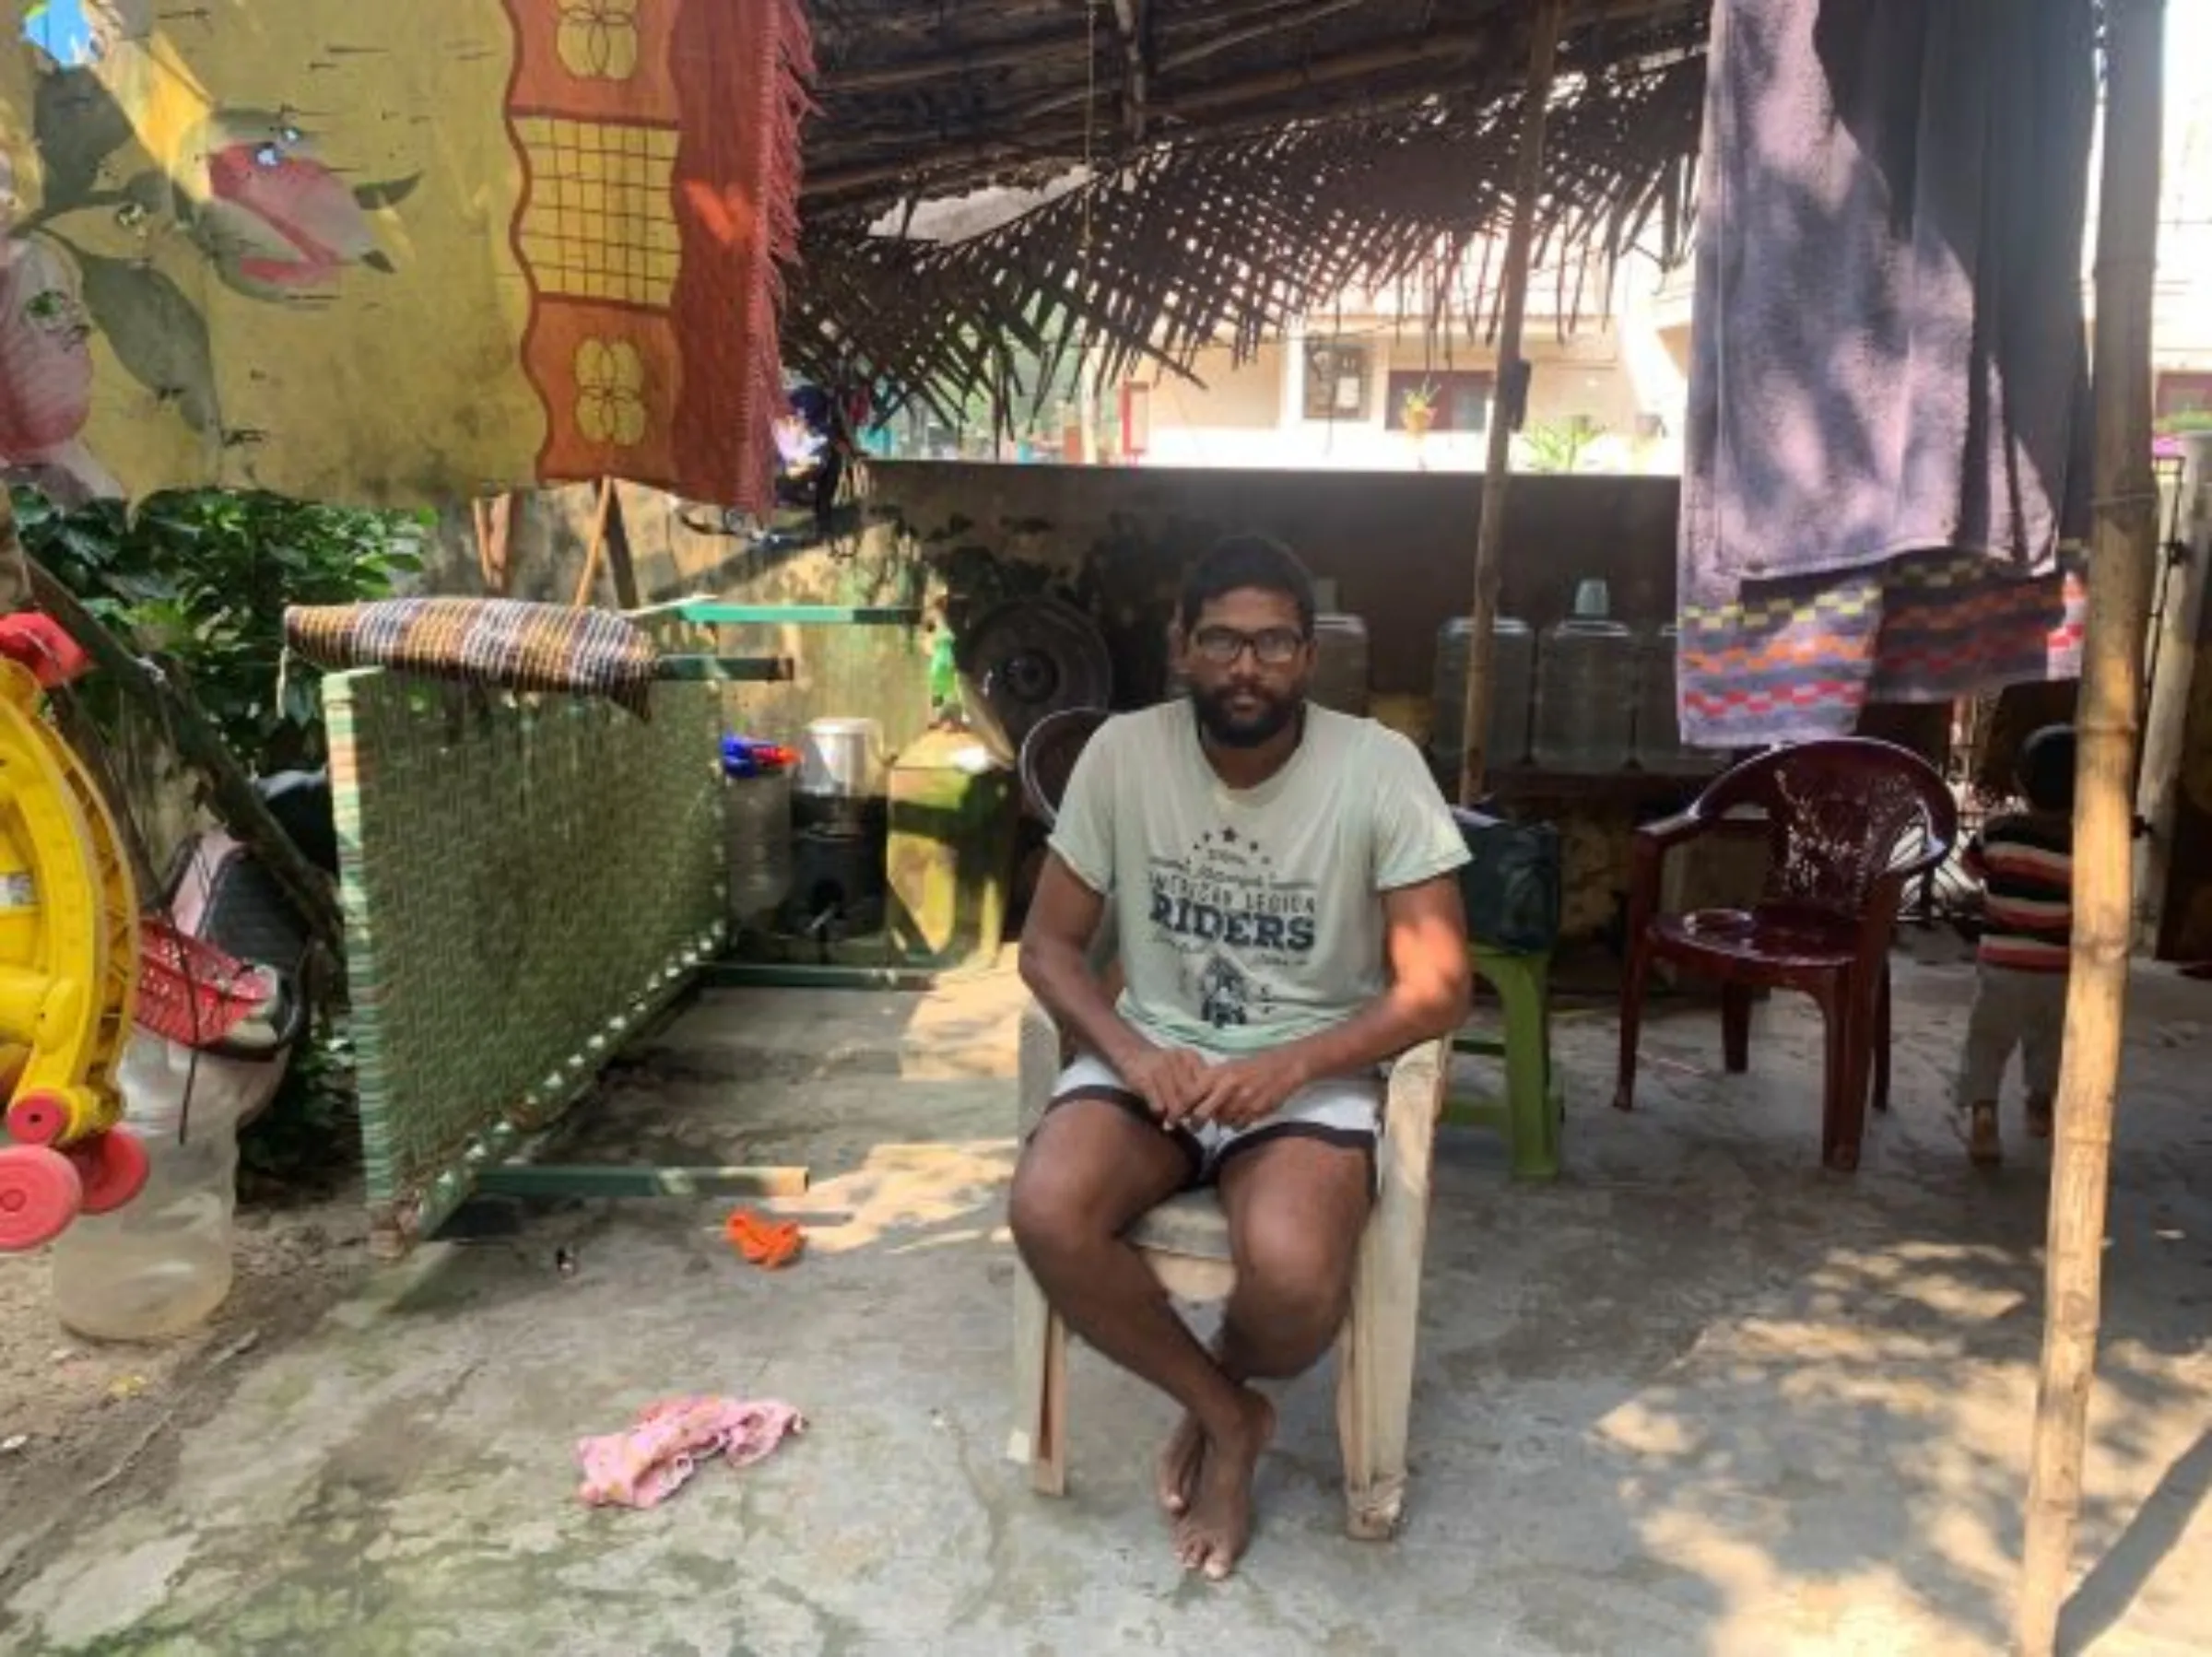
<point x="2043" y="1045"/>
<point x="1993" y="1029"/>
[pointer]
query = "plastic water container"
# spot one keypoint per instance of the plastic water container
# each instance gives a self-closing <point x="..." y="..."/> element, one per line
<point x="1340" y="664"/>
<point x="1586" y="689"/>
<point x="1513" y="690"/>
<point x="756" y="826"/>
<point x="1659" y="747"/>
<point x="159" y="1266"/>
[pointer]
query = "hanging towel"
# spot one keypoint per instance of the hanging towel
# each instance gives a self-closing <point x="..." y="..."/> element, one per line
<point x="1887" y="455"/>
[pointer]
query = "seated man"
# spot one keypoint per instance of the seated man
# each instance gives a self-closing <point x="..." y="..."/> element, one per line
<point x="1284" y="887"/>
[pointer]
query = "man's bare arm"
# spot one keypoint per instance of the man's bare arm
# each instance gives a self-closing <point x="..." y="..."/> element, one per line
<point x="1427" y="942"/>
<point x="1056" y="963"/>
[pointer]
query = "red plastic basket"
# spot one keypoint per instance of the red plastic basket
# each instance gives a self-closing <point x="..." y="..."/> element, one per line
<point x="192" y="994"/>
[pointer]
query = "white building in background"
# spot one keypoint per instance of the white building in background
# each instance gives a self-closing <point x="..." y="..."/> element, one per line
<point x="1609" y="370"/>
<point x="1606" y="391"/>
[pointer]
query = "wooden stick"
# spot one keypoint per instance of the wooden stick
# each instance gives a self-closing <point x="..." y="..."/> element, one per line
<point x="2121" y="553"/>
<point x="1129" y="22"/>
<point x="229" y="790"/>
<point x="503" y="535"/>
<point x="596" y="551"/>
<point x="617" y="553"/>
<point x="480" y="517"/>
<point x="1489" y="534"/>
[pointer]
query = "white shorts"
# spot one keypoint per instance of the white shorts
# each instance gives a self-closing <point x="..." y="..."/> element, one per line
<point x="1342" y="1110"/>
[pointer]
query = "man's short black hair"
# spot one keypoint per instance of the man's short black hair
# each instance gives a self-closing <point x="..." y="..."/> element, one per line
<point x="1259" y="562"/>
<point x="2046" y="768"/>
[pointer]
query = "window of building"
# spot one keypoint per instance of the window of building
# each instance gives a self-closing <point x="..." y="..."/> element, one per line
<point x="2184" y="394"/>
<point x="1336" y="379"/>
<point x="1459" y="398"/>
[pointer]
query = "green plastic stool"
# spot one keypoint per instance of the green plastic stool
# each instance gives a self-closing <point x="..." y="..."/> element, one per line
<point x="1534" y="1104"/>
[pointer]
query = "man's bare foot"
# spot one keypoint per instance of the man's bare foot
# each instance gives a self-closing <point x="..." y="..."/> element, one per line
<point x="1180" y="1460"/>
<point x="1212" y="1535"/>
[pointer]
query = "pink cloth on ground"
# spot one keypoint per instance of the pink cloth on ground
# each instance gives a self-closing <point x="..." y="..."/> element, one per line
<point x="649" y="1463"/>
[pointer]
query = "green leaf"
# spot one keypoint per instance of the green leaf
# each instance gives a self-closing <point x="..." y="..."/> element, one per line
<point x="88" y="548"/>
<point x="141" y="586"/>
<point x="390" y="193"/>
<point x="76" y="124"/>
<point x="157" y="334"/>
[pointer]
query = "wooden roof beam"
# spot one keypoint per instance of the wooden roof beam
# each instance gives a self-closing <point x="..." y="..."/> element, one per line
<point x="953" y="63"/>
<point x="1130" y="18"/>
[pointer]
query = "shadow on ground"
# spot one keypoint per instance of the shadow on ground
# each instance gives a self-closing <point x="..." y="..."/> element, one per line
<point x="1699" y="1397"/>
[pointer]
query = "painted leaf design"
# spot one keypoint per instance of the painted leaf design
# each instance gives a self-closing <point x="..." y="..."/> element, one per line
<point x="77" y="124"/>
<point x="389" y="194"/>
<point x="157" y="334"/>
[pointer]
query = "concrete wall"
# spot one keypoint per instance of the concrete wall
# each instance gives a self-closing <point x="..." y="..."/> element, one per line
<point x="1399" y="546"/>
<point x="962" y="538"/>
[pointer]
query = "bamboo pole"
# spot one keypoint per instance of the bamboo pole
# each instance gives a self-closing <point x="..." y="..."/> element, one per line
<point x="2123" y="546"/>
<point x="1528" y="178"/>
<point x="596" y="553"/>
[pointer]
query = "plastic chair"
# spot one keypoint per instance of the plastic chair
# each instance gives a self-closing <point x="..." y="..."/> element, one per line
<point x="1849" y="824"/>
<point x="1185" y="1240"/>
<point x="1532" y="1111"/>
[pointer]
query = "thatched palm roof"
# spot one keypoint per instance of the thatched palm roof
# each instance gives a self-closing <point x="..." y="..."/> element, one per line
<point x="1246" y="159"/>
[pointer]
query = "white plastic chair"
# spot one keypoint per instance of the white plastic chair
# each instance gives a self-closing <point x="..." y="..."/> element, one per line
<point x="1185" y="1240"/>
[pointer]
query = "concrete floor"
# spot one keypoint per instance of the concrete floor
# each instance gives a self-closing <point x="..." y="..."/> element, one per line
<point x="1699" y="1397"/>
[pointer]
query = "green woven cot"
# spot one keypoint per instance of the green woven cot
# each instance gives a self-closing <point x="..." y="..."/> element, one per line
<point x="526" y="881"/>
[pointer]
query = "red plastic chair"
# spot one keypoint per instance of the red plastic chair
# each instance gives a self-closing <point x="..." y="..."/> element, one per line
<point x="1850" y="823"/>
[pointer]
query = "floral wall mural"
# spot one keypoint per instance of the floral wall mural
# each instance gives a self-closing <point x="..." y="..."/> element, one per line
<point x="399" y="252"/>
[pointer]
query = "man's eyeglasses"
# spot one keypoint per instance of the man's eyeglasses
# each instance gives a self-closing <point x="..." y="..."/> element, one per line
<point x="1272" y="647"/>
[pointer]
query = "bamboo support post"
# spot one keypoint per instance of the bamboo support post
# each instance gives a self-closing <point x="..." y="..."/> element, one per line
<point x="596" y="553"/>
<point x="494" y="524"/>
<point x="618" y="563"/>
<point x="1491" y="530"/>
<point x="1129" y="22"/>
<point x="2123" y="546"/>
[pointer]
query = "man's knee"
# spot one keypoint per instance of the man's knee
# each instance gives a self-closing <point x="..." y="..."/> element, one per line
<point x="1294" y="1290"/>
<point x="1045" y="1210"/>
<point x="1062" y="1202"/>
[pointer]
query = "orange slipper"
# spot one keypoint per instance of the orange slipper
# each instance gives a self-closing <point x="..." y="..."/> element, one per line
<point x="768" y="1244"/>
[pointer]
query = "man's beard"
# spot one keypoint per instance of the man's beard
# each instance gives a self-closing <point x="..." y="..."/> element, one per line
<point x="1275" y="716"/>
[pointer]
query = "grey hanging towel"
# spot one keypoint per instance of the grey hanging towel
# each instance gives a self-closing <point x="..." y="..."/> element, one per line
<point x="1886" y="455"/>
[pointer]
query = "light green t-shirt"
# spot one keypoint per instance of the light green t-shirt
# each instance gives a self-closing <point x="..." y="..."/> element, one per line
<point x="1251" y="917"/>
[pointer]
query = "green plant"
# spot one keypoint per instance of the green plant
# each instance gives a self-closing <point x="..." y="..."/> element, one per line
<point x="201" y="579"/>
<point x="1561" y="447"/>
